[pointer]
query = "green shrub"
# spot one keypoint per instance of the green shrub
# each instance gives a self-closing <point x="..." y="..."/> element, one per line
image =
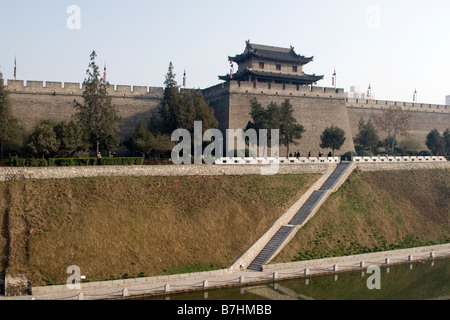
<point x="348" y="156"/>
<point x="18" y="162"/>
<point x="121" y="161"/>
<point x="74" y="162"/>
<point x="363" y="153"/>
<point x="64" y="162"/>
<point x="36" y="163"/>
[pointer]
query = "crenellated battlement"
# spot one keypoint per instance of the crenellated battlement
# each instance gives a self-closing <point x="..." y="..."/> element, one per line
<point x="267" y="88"/>
<point x="407" y="106"/>
<point x="273" y="89"/>
<point x="316" y="92"/>
<point x="70" y="88"/>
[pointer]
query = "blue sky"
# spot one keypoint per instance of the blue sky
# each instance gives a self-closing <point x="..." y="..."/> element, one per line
<point x="396" y="46"/>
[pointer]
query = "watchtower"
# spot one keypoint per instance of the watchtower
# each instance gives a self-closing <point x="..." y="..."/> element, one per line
<point x="261" y="63"/>
<point x="273" y="74"/>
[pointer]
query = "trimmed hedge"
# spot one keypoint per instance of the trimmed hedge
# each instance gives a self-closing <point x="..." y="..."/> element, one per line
<point x="75" y="162"/>
<point x="121" y="161"/>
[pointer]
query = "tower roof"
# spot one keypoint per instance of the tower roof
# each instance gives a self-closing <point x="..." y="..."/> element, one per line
<point x="269" y="76"/>
<point x="271" y="53"/>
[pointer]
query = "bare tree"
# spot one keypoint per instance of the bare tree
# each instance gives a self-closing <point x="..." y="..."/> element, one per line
<point x="394" y="122"/>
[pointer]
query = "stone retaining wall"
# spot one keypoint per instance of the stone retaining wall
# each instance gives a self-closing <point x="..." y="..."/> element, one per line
<point x="46" y="290"/>
<point x="222" y="278"/>
<point x="238" y="166"/>
<point x="385" y="256"/>
<point x="9" y="173"/>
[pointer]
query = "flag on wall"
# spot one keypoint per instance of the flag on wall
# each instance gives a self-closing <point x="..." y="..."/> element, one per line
<point x="333" y="79"/>
<point x="104" y="73"/>
<point x="15" y="67"/>
<point x="415" y="95"/>
<point x="184" y="79"/>
<point x="231" y="69"/>
<point x="368" y="92"/>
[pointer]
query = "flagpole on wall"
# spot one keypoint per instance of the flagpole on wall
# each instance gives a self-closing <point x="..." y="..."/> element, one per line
<point x="15" y="67"/>
<point x="231" y="69"/>
<point x="333" y="80"/>
<point x="104" y="73"/>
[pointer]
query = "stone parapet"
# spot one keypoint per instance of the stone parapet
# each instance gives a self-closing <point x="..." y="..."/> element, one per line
<point x="400" y="163"/>
<point x="382" y="257"/>
<point x="407" y="106"/>
<point x="120" y="283"/>
<point x="10" y="173"/>
<point x="272" y="160"/>
<point x="68" y="88"/>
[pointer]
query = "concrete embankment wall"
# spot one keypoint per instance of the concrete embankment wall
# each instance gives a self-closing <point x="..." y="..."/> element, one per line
<point x="382" y="257"/>
<point x="8" y="173"/>
<point x="224" y="278"/>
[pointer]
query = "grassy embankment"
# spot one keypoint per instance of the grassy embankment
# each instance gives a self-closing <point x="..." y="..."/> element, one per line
<point x="119" y="227"/>
<point x="136" y="226"/>
<point x="376" y="211"/>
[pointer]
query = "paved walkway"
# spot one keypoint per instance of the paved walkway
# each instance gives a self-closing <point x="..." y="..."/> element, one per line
<point x="243" y="278"/>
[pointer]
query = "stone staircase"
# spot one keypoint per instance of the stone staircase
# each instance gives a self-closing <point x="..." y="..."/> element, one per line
<point x="312" y="204"/>
<point x="334" y="179"/>
<point x="271" y="247"/>
<point x="307" y="208"/>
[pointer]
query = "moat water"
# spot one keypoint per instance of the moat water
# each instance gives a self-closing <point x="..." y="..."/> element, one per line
<point x="424" y="280"/>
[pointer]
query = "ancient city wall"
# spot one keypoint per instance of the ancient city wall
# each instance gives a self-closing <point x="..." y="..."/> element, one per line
<point x="315" y="107"/>
<point x="33" y="101"/>
<point x="407" y="106"/>
<point x="424" y="117"/>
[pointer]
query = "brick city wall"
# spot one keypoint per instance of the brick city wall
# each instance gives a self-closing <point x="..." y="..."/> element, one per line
<point x="35" y="100"/>
<point x="424" y="117"/>
<point x="315" y="107"/>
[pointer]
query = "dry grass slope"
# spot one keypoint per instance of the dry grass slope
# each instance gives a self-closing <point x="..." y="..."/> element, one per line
<point x="114" y="227"/>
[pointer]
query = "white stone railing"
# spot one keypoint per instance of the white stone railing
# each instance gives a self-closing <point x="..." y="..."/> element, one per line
<point x="400" y="159"/>
<point x="272" y="160"/>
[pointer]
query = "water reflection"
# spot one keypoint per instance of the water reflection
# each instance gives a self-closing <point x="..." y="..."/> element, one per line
<point x="414" y="281"/>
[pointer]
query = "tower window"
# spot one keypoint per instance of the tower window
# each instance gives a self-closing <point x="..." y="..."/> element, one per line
<point x="278" y="66"/>
<point x="294" y="69"/>
<point x="261" y="65"/>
